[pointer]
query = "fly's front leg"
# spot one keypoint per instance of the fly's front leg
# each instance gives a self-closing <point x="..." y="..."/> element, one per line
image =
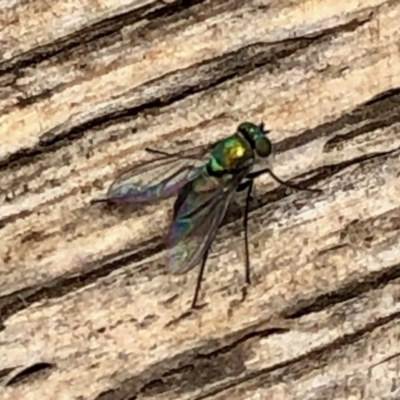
<point x="256" y="174"/>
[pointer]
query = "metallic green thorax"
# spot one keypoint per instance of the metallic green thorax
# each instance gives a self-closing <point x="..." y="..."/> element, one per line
<point x="237" y="152"/>
<point x="231" y="154"/>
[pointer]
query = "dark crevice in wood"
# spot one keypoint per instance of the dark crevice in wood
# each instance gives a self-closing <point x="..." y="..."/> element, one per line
<point x="351" y="290"/>
<point x="381" y="111"/>
<point x="17" y="301"/>
<point x="155" y="24"/>
<point x="13" y="217"/>
<point x="238" y="58"/>
<point x="379" y="98"/>
<point x="115" y="394"/>
<point x="213" y="73"/>
<point x="28" y="374"/>
<point x="197" y="9"/>
<point x="58" y="287"/>
<point x="296" y="368"/>
<point x="206" y="367"/>
<point x="5" y="372"/>
<point x="193" y="369"/>
<point x="108" y="26"/>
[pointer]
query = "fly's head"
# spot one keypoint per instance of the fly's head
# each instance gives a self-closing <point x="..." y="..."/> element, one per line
<point x="256" y="136"/>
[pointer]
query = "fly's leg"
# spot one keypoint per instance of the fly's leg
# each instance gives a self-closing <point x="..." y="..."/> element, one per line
<point x="199" y="279"/>
<point x="249" y="186"/>
<point x="263" y="171"/>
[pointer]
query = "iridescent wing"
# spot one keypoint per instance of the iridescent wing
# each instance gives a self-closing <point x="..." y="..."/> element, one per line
<point x="195" y="224"/>
<point x="158" y="178"/>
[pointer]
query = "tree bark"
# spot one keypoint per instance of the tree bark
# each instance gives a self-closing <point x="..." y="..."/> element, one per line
<point x="88" y="309"/>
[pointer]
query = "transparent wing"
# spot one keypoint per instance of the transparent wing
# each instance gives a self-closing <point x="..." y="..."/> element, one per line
<point x="158" y="178"/>
<point x="196" y="224"/>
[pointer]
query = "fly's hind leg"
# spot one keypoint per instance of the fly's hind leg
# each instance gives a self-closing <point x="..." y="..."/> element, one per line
<point x="199" y="279"/>
<point x="248" y="184"/>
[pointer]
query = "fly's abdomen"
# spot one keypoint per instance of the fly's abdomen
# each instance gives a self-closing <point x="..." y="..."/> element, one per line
<point x="206" y="183"/>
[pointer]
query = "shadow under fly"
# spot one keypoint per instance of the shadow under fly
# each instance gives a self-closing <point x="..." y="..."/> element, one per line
<point x="205" y="181"/>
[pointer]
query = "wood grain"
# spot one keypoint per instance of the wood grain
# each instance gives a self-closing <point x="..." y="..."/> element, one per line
<point x="87" y="308"/>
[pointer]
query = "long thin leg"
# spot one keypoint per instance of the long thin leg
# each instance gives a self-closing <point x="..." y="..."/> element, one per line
<point x="199" y="279"/>
<point x="246" y="237"/>
<point x="249" y="186"/>
<point x="256" y="174"/>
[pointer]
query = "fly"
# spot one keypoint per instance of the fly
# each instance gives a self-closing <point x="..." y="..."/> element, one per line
<point x="205" y="182"/>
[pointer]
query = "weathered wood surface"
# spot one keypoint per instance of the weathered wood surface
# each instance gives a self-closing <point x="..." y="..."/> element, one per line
<point x="87" y="308"/>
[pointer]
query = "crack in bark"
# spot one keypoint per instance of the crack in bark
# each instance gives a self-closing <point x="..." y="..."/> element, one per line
<point x="350" y="290"/>
<point x="104" y="28"/>
<point x="212" y="73"/>
<point x="298" y="367"/>
<point x="193" y="367"/>
<point x="29" y="373"/>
